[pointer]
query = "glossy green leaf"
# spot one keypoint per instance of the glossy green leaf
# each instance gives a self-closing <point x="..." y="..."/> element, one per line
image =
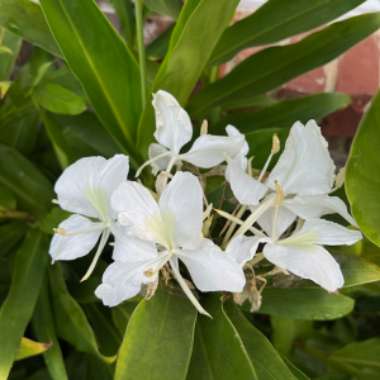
<point x="359" y="358"/>
<point x="103" y="64"/>
<point x="274" y="66"/>
<point x="12" y="42"/>
<point x="58" y="99"/>
<point x="159" y="339"/>
<point x="124" y="10"/>
<point x="363" y="176"/>
<point x="16" y="311"/>
<point x="357" y="270"/>
<point x="267" y="361"/>
<point x="298" y="374"/>
<point x="32" y="190"/>
<point x="190" y="48"/>
<point x="286" y="112"/>
<point x="44" y="328"/>
<point x="164" y="7"/>
<point x="70" y="320"/>
<point x="305" y="303"/>
<point x="277" y="20"/>
<point x="24" y="17"/>
<point x="29" y="348"/>
<point x="121" y="315"/>
<point x="219" y="351"/>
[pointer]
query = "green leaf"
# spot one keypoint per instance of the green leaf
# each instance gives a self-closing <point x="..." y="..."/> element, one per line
<point x="359" y="358"/>
<point x="277" y="20"/>
<point x="274" y="66"/>
<point x="58" y="99"/>
<point x="121" y="315"/>
<point x="283" y="114"/>
<point x="158" y="47"/>
<point x="267" y="361"/>
<point x="219" y="351"/>
<point x="7" y="200"/>
<point x="70" y="320"/>
<point x="363" y="177"/>
<point x="164" y="7"/>
<point x="103" y="64"/>
<point x="357" y="270"/>
<point x="298" y="374"/>
<point x="159" y="339"/>
<point x="24" y="17"/>
<point x="29" y="348"/>
<point x="13" y="42"/>
<point x="16" y="311"/>
<point x="43" y="327"/>
<point x="10" y="234"/>
<point x="305" y="303"/>
<point x="190" y="48"/>
<point x="125" y="12"/>
<point x="32" y="190"/>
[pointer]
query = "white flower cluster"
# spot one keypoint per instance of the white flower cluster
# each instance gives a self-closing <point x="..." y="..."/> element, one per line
<point x="279" y="213"/>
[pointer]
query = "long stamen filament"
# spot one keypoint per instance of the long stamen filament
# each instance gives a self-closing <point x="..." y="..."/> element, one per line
<point x="233" y="224"/>
<point x="63" y="232"/>
<point x="102" y="243"/>
<point x="185" y="287"/>
<point x="147" y="163"/>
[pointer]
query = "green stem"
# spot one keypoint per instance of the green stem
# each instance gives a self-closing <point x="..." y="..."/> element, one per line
<point x="139" y="5"/>
<point x="15" y="214"/>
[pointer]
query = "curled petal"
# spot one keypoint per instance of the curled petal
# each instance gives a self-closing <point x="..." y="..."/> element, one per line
<point x="76" y="236"/>
<point x="209" y="150"/>
<point x="305" y="166"/>
<point x="246" y="189"/>
<point x="173" y="124"/>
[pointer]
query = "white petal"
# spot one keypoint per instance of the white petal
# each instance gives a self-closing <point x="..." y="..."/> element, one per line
<point x="285" y="218"/>
<point x="173" y="124"/>
<point x="315" y="206"/>
<point x="160" y="163"/>
<point x="82" y="235"/>
<point x="309" y="262"/>
<point x="210" y="150"/>
<point x="72" y="186"/>
<point x="329" y="233"/>
<point x="246" y="189"/>
<point x="305" y="167"/>
<point x="212" y="270"/>
<point x="136" y="208"/>
<point x="242" y="248"/>
<point x="122" y="281"/>
<point x="181" y="204"/>
<point x="234" y="132"/>
<point x="85" y="187"/>
<point x="129" y="248"/>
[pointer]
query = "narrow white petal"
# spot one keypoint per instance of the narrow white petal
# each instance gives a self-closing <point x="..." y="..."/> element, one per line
<point x="315" y="206"/>
<point x="212" y="270"/>
<point x="309" y="262"/>
<point x="173" y="124"/>
<point x="329" y="233"/>
<point x="243" y="248"/>
<point x="181" y="204"/>
<point x="136" y="208"/>
<point x="305" y="166"/>
<point x="246" y="189"/>
<point x="78" y="237"/>
<point x="210" y="150"/>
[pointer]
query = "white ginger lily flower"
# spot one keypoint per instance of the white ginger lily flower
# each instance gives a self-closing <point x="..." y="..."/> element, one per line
<point x="165" y="232"/>
<point x="174" y="129"/>
<point x="85" y="188"/>
<point x="305" y="173"/>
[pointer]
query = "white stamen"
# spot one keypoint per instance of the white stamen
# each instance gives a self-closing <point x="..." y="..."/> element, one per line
<point x="147" y="163"/>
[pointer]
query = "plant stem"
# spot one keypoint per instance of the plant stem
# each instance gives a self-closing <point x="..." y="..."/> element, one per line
<point x="139" y="6"/>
